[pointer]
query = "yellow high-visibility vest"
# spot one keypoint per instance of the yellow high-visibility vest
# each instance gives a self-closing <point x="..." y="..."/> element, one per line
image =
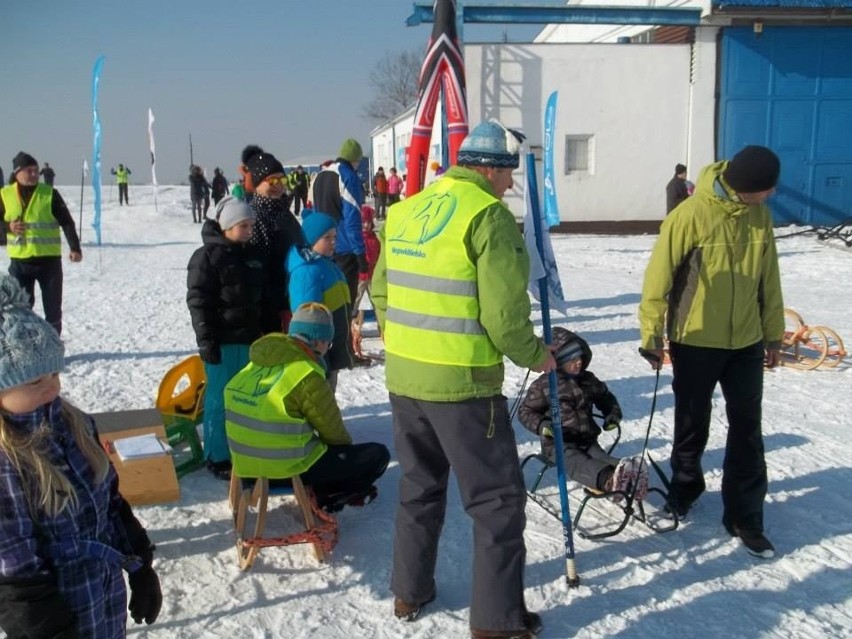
<point x="265" y="441"/>
<point x="41" y="237"/>
<point x="433" y="305"/>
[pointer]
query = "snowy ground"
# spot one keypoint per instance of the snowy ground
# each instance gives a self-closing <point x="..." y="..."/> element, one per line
<point x="126" y="322"/>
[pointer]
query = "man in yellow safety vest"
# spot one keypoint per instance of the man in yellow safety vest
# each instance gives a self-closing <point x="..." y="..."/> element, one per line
<point x="450" y="289"/>
<point x="32" y="215"/>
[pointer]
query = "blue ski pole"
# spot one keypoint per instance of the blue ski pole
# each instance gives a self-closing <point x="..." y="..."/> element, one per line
<point x="571" y="577"/>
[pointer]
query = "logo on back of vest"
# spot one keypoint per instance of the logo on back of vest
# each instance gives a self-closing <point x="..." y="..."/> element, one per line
<point x="426" y="221"/>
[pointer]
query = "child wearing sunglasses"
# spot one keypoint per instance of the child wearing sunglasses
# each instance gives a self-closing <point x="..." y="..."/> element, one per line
<point x="66" y="534"/>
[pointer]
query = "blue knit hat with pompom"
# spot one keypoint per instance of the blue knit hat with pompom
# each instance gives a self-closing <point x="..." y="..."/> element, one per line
<point x="29" y="346"/>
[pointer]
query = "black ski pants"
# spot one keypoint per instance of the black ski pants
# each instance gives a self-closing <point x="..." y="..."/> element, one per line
<point x="47" y="272"/>
<point x="351" y="468"/>
<point x="474" y="437"/>
<point x="739" y="372"/>
<point x="122" y="193"/>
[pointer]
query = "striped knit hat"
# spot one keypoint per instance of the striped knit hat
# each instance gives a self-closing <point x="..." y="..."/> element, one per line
<point x="313" y="322"/>
<point x="491" y="144"/>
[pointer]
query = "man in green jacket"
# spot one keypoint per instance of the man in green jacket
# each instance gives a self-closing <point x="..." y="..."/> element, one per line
<point x="713" y="288"/>
<point x="450" y="292"/>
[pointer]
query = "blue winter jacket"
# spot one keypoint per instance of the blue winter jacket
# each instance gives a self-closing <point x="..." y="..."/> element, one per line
<point x="337" y="190"/>
<point x="316" y="278"/>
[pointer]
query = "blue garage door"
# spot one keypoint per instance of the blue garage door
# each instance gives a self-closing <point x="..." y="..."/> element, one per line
<point x="790" y="88"/>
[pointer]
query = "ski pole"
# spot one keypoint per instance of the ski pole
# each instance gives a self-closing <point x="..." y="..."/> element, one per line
<point x="571" y="577"/>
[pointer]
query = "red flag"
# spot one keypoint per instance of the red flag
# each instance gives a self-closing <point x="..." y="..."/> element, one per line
<point x="443" y="68"/>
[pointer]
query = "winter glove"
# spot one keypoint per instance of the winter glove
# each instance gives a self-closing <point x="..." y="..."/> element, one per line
<point x="363" y="265"/>
<point x="612" y="421"/>
<point x="210" y="353"/>
<point x="545" y="429"/>
<point x="146" y="598"/>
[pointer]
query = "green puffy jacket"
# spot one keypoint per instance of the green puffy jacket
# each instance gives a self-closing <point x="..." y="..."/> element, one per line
<point x="496" y="247"/>
<point x="312" y="398"/>
<point x="713" y="277"/>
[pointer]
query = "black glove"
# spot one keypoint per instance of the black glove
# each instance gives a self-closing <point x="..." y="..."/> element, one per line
<point x="612" y="420"/>
<point x="210" y="353"/>
<point x="363" y="266"/>
<point x="146" y="598"/>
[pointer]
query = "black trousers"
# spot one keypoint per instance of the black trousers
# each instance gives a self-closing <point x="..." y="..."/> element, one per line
<point x="47" y="271"/>
<point x="122" y="193"/>
<point x="350" y="468"/>
<point x="697" y="370"/>
<point x="348" y="263"/>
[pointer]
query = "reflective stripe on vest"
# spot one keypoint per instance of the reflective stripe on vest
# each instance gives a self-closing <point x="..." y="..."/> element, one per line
<point x="41" y="237"/>
<point x="433" y="306"/>
<point x="266" y="441"/>
<point x="121" y="176"/>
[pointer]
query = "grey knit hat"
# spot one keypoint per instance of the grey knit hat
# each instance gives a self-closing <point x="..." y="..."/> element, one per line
<point x="231" y="211"/>
<point x="491" y="144"/>
<point x="29" y="346"/>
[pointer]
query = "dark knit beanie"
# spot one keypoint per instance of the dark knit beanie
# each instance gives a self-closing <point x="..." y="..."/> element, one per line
<point x="752" y="170"/>
<point x="313" y="322"/>
<point x="22" y="161"/>
<point x="261" y="165"/>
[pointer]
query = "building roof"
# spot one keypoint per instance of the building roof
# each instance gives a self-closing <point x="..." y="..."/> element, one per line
<point x="784" y="4"/>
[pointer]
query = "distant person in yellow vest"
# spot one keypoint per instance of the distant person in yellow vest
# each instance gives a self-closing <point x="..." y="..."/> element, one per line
<point x="32" y="215"/>
<point x="283" y="420"/>
<point x="121" y="174"/>
<point x="450" y="290"/>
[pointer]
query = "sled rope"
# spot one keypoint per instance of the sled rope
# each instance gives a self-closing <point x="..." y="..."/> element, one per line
<point x="324" y="534"/>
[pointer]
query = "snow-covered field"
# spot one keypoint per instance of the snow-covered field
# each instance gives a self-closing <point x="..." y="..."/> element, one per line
<point x="126" y="322"/>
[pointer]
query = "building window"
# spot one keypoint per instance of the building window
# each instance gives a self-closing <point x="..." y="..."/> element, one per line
<point x="579" y="154"/>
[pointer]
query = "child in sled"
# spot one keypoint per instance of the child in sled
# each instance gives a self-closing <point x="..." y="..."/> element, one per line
<point x="580" y="392"/>
<point x="66" y="533"/>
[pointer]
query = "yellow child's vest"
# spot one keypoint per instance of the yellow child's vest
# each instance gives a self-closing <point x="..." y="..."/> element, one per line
<point x="433" y="305"/>
<point x="41" y="238"/>
<point x="264" y="440"/>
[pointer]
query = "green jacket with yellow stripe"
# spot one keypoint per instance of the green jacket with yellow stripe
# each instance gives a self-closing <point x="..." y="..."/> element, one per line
<point x="713" y="279"/>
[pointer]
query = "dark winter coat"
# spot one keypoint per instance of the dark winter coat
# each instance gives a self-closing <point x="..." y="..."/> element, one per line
<point x="199" y="187"/>
<point x="578" y="397"/>
<point x="48" y="592"/>
<point x="276" y="229"/>
<point x="676" y="192"/>
<point x="228" y="292"/>
<point x="219" y="187"/>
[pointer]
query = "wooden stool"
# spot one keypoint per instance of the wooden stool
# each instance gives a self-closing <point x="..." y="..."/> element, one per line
<point x="248" y="500"/>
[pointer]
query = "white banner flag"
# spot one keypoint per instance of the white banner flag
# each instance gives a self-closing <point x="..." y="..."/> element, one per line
<point x="85" y="168"/>
<point x="151" y="142"/>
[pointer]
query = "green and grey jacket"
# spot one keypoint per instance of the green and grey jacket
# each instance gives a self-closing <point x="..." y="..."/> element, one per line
<point x="713" y="278"/>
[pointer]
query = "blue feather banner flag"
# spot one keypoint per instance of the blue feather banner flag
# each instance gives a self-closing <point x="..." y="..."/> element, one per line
<point x="96" y="147"/>
<point x="551" y="208"/>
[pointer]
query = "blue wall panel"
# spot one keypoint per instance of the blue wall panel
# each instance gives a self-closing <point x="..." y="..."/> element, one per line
<point x="790" y="88"/>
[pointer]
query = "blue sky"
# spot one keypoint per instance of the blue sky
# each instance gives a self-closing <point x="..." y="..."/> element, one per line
<point x="289" y="76"/>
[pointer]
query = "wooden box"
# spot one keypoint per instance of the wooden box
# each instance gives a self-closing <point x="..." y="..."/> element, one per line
<point x="141" y="481"/>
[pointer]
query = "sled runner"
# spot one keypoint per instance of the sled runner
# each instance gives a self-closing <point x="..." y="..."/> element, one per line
<point x="626" y="501"/>
<point x="248" y="499"/>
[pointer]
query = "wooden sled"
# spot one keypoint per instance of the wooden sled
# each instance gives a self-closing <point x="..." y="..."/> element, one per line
<point x="806" y="347"/>
<point x="248" y="502"/>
